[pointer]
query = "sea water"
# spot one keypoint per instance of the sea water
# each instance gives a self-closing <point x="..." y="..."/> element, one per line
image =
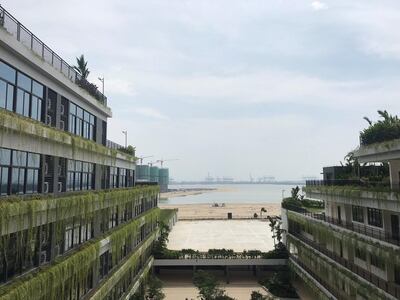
<point x="232" y="193"/>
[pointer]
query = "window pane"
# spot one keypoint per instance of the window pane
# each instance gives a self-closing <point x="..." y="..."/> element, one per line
<point x="33" y="160"/>
<point x="79" y="112"/>
<point x="21" y="180"/>
<point x="24" y="82"/>
<point x="19" y="158"/>
<point x="29" y="181"/>
<point x="10" y="97"/>
<point x="37" y="89"/>
<point x="26" y="104"/>
<point x="20" y="102"/>
<point x="14" y="181"/>
<point x="91" y="119"/>
<point x="5" y="156"/>
<point x="86" y="116"/>
<point x="35" y="181"/>
<point x="3" y="94"/>
<point x="7" y="72"/>
<point x="39" y="109"/>
<point x="72" y="108"/>
<point x="4" y="181"/>
<point x="34" y="109"/>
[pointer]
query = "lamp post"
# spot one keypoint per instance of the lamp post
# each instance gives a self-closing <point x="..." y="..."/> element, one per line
<point x="283" y="194"/>
<point x="102" y="83"/>
<point x="126" y="137"/>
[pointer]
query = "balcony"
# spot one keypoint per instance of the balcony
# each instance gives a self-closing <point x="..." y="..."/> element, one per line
<point x="359" y="228"/>
<point x="32" y="42"/>
<point x="377" y="194"/>
<point x="389" y="287"/>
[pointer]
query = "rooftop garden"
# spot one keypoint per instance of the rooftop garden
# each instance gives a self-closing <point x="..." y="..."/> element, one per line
<point x="385" y="129"/>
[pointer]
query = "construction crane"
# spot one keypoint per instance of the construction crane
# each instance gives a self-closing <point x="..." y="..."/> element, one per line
<point x="161" y="161"/>
<point x="143" y="157"/>
<point x="151" y="163"/>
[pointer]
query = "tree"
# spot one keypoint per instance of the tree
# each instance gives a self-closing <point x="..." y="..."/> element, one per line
<point x="81" y="66"/>
<point x="160" y="246"/>
<point x="208" y="287"/>
<point x="257" y="296"/>
<point x="272" y="224"/>
<point x="154" y="289"/>
<point x="262" y="210"/>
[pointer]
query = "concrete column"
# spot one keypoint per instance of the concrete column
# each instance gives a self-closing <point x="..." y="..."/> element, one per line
<point x="394" y="169"/>
<point x="227" y="274"/>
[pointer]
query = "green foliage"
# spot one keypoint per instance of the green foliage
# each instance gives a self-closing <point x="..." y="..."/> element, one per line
<point x="257" y="296"/>
<point x="128" y="150"/>
<point x="81" y="66"/>
<point x="154" y="289"/>
<point x="386" y="129"/>
<point x="160" y="246"/>
<point x="279" y="285"/>
<point x="208" y="287"/>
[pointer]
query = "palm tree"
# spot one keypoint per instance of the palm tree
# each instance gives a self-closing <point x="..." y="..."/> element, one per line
<point x="82" y="66"/>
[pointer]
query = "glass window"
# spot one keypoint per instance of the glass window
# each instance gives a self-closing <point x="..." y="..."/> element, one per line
<point x="24" y="82"/>
<point x="3" y="94"/>
<point x="374" y="217"/>
<point x="358" y="213"/>
<point x="26" y="104"/>
<point x="7" y="72"/>
<point x="30" y="181"/>
<point x="5" y="156"/>
<point x="34" y="108"/>
<point x="4" y="180"/>
<point x="72" y="108"/>
<point x="10" y="97"/>
<point x="377" y="261"/>
<point x="19" y="158"/>
<point x="37" y="89"/>
<point x="33" y="160"/>
<point x="79" y="112"/>
<point x="19" y="108"/>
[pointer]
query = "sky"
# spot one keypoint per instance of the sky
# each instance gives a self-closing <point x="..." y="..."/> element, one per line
<point x="228" y="87"/>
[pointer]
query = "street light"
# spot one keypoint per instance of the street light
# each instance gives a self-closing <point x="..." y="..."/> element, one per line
<point x="283" y="194"/>
<point x="126" y="137"/>
<point x="102" y="82"/>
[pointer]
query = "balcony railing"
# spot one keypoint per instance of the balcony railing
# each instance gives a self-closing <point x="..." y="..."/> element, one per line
<point x="376" y="233"/>
<point x="326" y="284"/>
<point x="349" y="182"/>
<point x="27" y="38"/>
<point x="384" y="285"/>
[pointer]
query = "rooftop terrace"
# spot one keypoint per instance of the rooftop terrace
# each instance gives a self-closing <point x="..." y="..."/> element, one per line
<point x="31" y="41"/>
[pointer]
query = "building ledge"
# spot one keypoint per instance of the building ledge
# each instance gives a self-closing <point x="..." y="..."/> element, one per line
<point x="45" y="281"/>
<point x="34" y="136"/>
<point x="378" y="152"/>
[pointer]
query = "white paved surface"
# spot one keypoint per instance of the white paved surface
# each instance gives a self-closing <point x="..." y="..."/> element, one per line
<point x="238" y="235"/>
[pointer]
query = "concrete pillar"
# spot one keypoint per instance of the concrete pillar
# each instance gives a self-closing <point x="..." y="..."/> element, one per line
<point x="394" y="169"/>
<point x="227" y="274"/>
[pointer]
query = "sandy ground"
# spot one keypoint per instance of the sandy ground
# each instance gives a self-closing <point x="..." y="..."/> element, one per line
<point x="207" y="211"/>
<point x="188" y="192"/>
<point x="180" y="286"/>
<point x="238" y="235"/>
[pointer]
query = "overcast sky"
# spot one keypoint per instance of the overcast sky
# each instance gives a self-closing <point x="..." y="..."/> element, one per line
<point x="233" y="87"/>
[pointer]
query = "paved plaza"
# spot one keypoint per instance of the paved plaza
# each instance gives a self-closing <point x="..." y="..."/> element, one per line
<point x="238" y="235"/>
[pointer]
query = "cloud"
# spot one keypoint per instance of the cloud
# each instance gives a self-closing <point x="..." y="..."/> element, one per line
<point x="150" y="112"/>
<point x="318" y="5"/>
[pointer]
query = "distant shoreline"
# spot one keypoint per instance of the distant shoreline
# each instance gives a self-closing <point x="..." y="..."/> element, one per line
<point x="238" y="210"/>
<point x="188" y="192"/>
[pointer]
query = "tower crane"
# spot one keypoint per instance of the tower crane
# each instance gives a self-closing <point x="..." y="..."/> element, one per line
<point x="143" y="157"/>
<point x="161" y="161"/>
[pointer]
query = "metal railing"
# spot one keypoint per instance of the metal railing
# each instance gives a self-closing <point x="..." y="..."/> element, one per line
<point x="383" y="284"/>
<point x="376" y="233"/>
<point x="113" y="145"/>
<point x="349" y="182"/>
<point x="31" y="41"/>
